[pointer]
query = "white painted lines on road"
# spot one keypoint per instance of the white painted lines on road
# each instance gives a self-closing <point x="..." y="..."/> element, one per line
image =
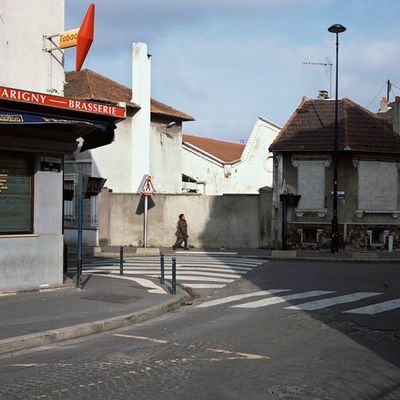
<point x="230" y="299"/>
<point x="148" y="339"/>
<point x="376" y="308"/>
<point x="320" y="304"/>
<point x="332" y="301"/>
<point x="197" y="272"/>
<point x="276" y="300"/>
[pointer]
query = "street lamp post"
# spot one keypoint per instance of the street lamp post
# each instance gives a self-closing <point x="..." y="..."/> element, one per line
<point x="337" y="28"/>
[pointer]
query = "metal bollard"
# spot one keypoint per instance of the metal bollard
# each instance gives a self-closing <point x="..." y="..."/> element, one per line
<point x="121" y="260"/>
<point x="173" y="289"/>
<point x="162" y="269"/>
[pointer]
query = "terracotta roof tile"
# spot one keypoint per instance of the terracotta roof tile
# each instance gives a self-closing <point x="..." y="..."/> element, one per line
<point x="221" y="149"/>
<point x="90" y="85"/>
<point x="312" y="128"/>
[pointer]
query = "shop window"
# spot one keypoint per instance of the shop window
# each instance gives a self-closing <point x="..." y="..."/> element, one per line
<point x="16" y="192"/>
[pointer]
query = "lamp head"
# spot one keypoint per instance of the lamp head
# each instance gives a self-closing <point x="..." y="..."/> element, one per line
<point x="336" y="28"/>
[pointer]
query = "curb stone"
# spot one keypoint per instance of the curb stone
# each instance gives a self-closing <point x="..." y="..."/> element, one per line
<point x="89" y="328"/>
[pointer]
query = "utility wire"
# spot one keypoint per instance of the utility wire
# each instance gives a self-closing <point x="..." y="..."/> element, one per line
<point x="383" y="87"/>
<point x="395" y="86"/>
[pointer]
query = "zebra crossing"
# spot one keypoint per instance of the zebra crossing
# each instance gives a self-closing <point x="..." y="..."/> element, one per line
<point x="195" y="272"/>
<point x="327" y="299"/>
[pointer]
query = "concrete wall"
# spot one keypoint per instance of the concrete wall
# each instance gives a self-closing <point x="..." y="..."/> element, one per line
<point x="213" y="221"/>
<point x="30" y="260"/>
<point x="24" y="64"/>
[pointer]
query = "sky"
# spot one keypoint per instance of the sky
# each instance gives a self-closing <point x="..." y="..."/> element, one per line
<point x="226" y="62"/>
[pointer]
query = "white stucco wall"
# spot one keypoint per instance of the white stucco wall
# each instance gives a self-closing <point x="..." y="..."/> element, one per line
<point x="34" y="259"/>
<point x="23" y="63"/>
<point x="114" y="161"/>
<point x="166" y="157"/>
<point x="253" y="171"/>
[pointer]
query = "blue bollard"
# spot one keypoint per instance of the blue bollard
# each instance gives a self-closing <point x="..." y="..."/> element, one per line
<point x="173" y="289"/>
<point x="121" y="260"/>
<point x="162" y="269"/>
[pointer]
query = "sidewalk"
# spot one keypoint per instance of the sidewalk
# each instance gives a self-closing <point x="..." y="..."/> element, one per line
<point x="34" y="319"/>
<point x="322" y="255"/>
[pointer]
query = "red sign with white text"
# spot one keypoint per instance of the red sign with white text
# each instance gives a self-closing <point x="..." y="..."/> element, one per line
<point x="25" y="96"/>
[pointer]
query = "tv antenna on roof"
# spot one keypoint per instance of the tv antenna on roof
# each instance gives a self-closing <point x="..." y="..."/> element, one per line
<point x="328" y="64"/>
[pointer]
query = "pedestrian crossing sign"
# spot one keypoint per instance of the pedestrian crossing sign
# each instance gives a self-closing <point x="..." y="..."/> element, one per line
<point x="147" y="187"/>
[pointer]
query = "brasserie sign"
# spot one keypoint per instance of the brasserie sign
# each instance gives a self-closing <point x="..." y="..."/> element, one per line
<point x="61" y="102"/>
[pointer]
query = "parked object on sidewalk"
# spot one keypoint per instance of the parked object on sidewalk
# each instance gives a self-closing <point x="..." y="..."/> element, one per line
<point x="162" y="269"/>
<point x="181" y="233"/>
<point x="121" y="260"/>
<point x="173" y="289"/>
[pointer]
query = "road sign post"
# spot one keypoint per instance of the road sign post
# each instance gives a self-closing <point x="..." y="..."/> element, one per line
<point x="146" y="190"/>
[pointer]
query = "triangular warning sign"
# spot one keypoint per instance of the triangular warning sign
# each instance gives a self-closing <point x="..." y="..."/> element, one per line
<point x="148" y="187"/>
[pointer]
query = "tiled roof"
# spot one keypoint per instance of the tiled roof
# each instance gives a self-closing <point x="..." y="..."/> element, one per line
<point x="224" y="151"/>
<point x="312" y="128"/>
<point x="90" y="85"/>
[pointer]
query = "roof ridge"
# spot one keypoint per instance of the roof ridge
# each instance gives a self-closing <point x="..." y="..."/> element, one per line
<point x="216" y="140"/>
<point x="304" y="99"/>
<point x="370" y="113"/>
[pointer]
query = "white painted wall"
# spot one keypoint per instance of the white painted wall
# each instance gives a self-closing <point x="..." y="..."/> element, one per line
<point x="140" y="123"/>
<point x="36" y="259"/>
<point x="114" y="161"/>
<point x="253" y="171"/>
<point x="23" y="63"/>
<point x="166" y="157"/>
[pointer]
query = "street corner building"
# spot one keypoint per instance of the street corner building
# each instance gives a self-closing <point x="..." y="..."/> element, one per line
<point x="368" y="177"/>
<point x="36" y="131"/>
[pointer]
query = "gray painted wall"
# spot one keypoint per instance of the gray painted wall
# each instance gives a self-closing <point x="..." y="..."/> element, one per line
<point x="213" y="221"/>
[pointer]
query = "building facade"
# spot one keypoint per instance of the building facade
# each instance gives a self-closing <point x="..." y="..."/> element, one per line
<point x="216" y="167"/>
<point x="368" y="177"/>
<point x="37" y="128"/>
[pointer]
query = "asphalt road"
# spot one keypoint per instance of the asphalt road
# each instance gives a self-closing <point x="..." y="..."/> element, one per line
<point x="250" y="347"/>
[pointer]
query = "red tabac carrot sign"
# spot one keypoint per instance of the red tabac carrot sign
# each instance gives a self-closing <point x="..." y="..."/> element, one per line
<point x="85" y="37"/>
<point x="26" y="96"/>
<point x="81" y="37"/>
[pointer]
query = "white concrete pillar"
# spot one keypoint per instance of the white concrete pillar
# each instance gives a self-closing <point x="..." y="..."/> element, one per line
<point x="140" y="123"/>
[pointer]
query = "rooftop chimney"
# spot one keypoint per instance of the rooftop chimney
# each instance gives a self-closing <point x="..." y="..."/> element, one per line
<point x="323" y="94"/>
<point x="384" y="105"/>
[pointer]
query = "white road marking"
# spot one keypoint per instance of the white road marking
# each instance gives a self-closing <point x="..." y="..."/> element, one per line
<point x="332" y="301"/>
<point x="150" y="270"/>
<point x="376" y="308"/>
<point x="141" y="338"/>
<point x="275" y="300"/>
<point x="206" y="252"/>
<point x="236" y="297"/>
<point x="198" y="273"/>
<point x="196" y="278"/>
<point x="204" y="286"/>
<point x="147" y="283"/>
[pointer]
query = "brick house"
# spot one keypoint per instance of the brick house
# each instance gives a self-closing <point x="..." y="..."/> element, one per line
<point x="368" y="177"/>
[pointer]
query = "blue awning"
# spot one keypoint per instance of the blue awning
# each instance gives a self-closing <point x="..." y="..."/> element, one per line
<point x="52" y="127"/>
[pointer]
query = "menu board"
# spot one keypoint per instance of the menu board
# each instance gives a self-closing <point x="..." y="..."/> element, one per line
<point x="16" y="171"/>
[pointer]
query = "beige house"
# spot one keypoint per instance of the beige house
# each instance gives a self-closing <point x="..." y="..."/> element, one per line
<point x="368" y="177"/>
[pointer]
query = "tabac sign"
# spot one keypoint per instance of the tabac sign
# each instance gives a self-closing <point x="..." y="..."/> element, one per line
<point x="26" y="96"/>
<point x="69" y="38"/>
<point x="81" y="37"/>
